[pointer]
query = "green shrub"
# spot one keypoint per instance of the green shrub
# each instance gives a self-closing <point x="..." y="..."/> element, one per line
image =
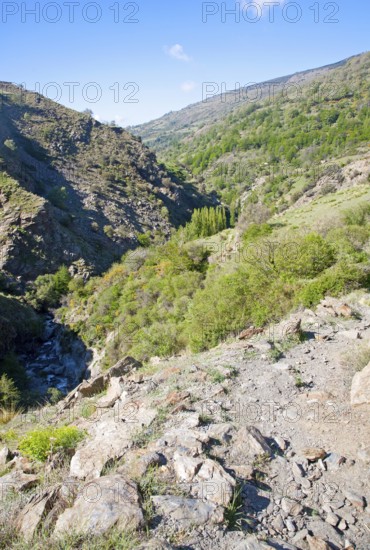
<point x="9" y="393"/>
<point x="58" y="197"/>
<point x="48" y="289"/>
<point x="38" y="444"/>
<point x="144" y="239"/>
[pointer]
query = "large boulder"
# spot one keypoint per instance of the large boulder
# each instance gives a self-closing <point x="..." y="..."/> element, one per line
<point x="187" y="512"/>
<point x="360" y="391"/>
<point x="110" y="438"/>
<point x="111" y="501"/>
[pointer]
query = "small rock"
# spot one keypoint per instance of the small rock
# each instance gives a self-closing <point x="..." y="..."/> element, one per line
<point x="4" y="455"/>
<point x="332" y="519"/>
<point x="334" y="461"/>
<point x="290" y="525"/>
<point x="315" y="543"/>
<point x="249" y="443"/>
<point x="300" y="536"/>
<point x="186" y="467"/>
<point x="89" y="388"/>
<point x="355" y="499"/>
<point x="213" y="483"/>
<point x="342" y="525"/>
<point x="350" y="334"/>
<point x="281" y="443"/>
<point x="17" y="481"/>
<point x="313" y="453"/>
<point x="278" y="524"/>
<point x="124" y="366"/>
<point x="297" y="470"/>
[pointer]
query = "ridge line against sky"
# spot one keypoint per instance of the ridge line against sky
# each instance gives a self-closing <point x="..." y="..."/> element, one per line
<point x="135" y="61"/>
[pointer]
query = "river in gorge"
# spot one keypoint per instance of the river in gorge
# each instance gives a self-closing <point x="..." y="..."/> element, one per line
<point x="59" y="360"/>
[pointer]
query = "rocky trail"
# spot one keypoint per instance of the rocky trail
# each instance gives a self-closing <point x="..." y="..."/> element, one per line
<point x="262" y="442"/>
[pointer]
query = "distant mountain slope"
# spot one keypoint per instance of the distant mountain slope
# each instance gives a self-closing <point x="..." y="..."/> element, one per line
<point x="72" y="188"/>
<point x="287" y="147"/>
<point x="162" y="132"/>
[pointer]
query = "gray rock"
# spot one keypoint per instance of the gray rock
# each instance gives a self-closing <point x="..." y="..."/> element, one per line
<point x="213" y="483"/>
<point x="278" y="523"/>
<point x="187" y="511"/>
<point x="186" y="467"/>
<point x="342" y="525"/>
<point x="251" y="542"/>
<point x="250" y="443"/>
<point x="355" y="499"/>
<point x="111" y="501"/>
<point x="124" y="366"/>
<point x="4" y="455"/>
<point x="114" y="392"/>
<point x="360" y="390"/>
<point x="221" y="432"/>
<point x="350" y="334"/>
<point x="191" y="440"/>
<point x="89" y="388"/>
<point x="324" y="531"/>
<point x="300" y="536"/>
<point x="316" y="543"/>
<point x="109" y="441"/>
<point x="334" y="461"/>
<point x="17" y="481"/>
<point x="332" y="519"/>
<point x="30" y="518"/>
<point x="291" y="526"/>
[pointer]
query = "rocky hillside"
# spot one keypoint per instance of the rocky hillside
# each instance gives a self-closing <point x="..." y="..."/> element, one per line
<point x="261" y="443"/>
<point x="72" y="188"/>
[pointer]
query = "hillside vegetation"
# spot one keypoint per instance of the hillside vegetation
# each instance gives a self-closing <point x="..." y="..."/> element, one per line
<point x="275" y="149"/>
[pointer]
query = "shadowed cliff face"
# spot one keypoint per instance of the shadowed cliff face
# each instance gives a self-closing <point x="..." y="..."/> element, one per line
<point x="73" y="188"/>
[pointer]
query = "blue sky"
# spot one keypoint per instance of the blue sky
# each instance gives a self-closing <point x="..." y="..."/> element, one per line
<point x="147" y="58"/>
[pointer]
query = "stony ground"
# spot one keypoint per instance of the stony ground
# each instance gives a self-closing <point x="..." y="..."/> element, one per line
<point x="259" y="443"/>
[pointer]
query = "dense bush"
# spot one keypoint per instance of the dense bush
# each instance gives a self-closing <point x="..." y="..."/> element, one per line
<point x="38" y="444"/>
<point x="48" y="289"/>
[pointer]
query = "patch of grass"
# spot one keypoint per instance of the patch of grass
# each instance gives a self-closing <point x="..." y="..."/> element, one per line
<point x="205" y="419"/>
<point x="359" y="358"/>
<point x="113" y="540"/>
<point x="143" y="437"/>
<point x="235" y="518"/>
<point x="216" y="376"/>
<point x="40" y="443"/>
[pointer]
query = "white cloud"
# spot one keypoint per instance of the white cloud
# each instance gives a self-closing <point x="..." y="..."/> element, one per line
<point x="188" y="86"/>
<point x="177" y="52"/>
